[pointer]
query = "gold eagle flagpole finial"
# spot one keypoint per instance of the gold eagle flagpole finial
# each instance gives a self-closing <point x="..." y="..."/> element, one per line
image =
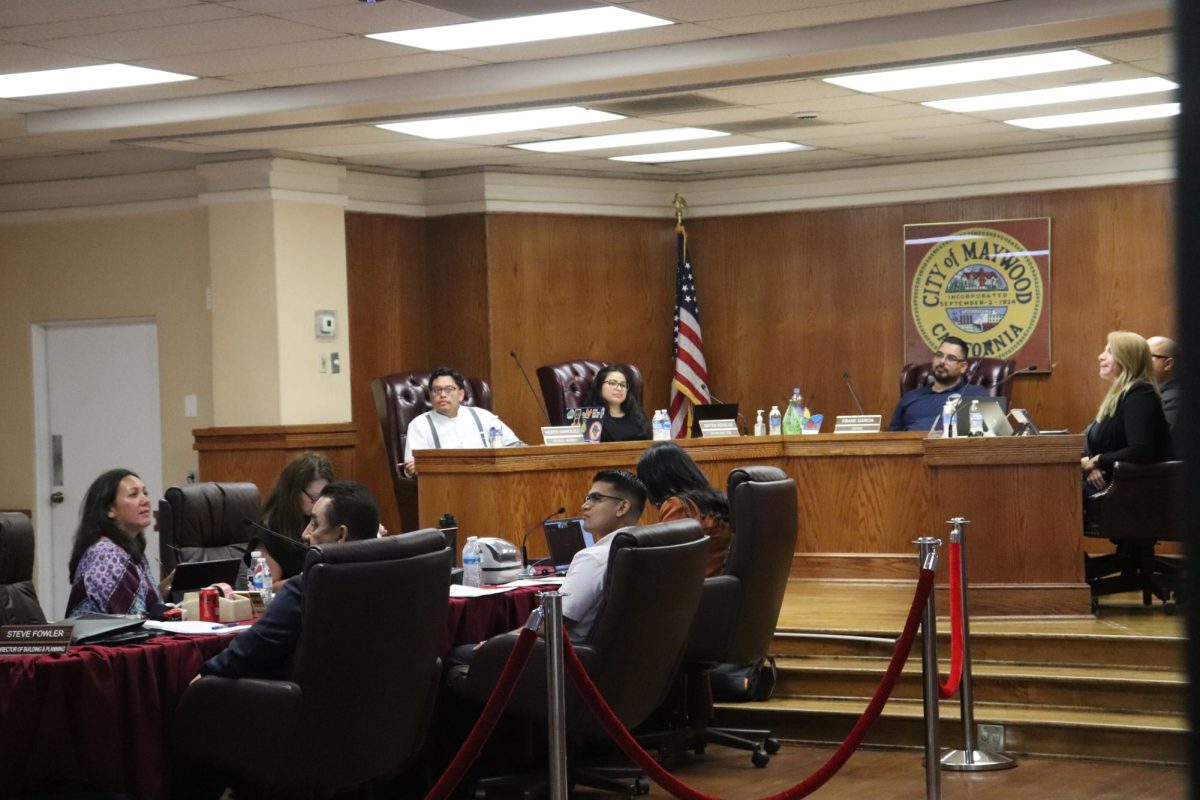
<point x="679" y="204"/>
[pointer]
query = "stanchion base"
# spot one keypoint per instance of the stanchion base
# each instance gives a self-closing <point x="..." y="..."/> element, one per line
<point x="979" y="761"/>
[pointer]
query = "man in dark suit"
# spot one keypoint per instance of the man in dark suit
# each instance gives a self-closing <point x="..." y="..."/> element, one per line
<point x="1163" y="352"/>
<point x="345" y="511"/>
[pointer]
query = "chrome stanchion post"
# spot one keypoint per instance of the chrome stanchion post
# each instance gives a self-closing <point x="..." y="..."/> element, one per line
<point x="556" y="699"/>
<point x="929" y="673"/>
<point x="970" y="758"/>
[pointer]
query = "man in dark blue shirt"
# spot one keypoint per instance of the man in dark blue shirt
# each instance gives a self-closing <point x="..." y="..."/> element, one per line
<point x="919" y="407"/>
<point x="345" y="511"/>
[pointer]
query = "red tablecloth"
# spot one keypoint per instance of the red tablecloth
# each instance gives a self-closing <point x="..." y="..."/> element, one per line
<point x="97" y="717"/>
<point x="100" y="717"/>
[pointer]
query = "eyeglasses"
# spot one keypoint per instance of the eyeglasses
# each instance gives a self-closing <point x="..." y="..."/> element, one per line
<point x="1156" y="355"/>
<point x="310" y="497"/>
<point x="592" y="498"/>
<point x="443" y="389"/>
<point x="617" y="384"/>
<point x="947" y="357"/>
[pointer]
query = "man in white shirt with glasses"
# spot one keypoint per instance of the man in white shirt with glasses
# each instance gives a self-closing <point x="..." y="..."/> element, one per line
<point x="451" y="425"/>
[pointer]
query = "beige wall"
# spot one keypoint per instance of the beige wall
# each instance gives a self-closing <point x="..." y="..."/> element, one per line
<point x="149" y="265"/>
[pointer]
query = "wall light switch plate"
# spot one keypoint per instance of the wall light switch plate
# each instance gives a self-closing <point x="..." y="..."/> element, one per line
<point x="323" y="363"/>
<point x="335" y="361"/>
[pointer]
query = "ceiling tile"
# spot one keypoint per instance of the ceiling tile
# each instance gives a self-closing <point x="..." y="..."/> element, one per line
<point x="33" y="12"/>
<point x="23" y="58"/>
<point x="116" y="23"/>
<point x="354" y="70"/>
<point x="203" y="37"/>
<point x="332" y="50"/>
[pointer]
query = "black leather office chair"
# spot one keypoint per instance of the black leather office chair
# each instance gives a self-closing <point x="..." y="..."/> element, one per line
<point x="1143" y="505"/>
<point x="363" y="679"/>
<point x="206" y="522"/>
<point x="738" y="610"/>
<point x="566" y="385"/>
<point x="651" y="591"/>
<point x="989" y="373"/>
<point x="18" y="599"/>
<point x="399" y="399"/>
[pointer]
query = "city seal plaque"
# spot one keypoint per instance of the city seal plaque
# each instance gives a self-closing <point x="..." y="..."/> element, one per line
<point x="980" y="283"/>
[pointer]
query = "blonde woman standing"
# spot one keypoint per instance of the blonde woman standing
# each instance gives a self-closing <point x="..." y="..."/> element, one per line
<point x="1130" y="424"/>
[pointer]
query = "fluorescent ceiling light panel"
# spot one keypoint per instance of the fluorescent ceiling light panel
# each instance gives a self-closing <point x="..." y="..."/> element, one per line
<point x="987" y="69"/>
<point x="620" y="140"/>
<point x="1059" y="94"/>
<point x="502" y="122"/>
<point x="714" y="152"/>
<point x="83" y="79"/>
<point x="536" y="28"/>
<point x="1097" y="117"/>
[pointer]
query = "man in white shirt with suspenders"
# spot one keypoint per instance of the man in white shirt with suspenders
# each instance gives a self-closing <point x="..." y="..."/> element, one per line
<point x="452" y="425"/>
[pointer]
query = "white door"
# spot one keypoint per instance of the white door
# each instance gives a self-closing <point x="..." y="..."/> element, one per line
<point x="97" y="408"/>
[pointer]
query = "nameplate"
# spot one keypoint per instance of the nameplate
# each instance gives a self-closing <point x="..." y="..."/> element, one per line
<point x="864" y="423"/>
<point x="718" y="427"/>
<point x="30" y="640"/>
<point x="562" y="434"/>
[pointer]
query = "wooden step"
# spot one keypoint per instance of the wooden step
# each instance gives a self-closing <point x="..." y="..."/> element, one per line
<point x="1097" y="687"/>
<point x="1030" y="647"/>
<point x="1075" y="733"/>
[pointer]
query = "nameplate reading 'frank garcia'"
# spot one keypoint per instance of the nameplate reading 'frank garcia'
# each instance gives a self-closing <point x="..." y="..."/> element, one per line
<point x="27" y="640"/>
<point x="987" y="283"/>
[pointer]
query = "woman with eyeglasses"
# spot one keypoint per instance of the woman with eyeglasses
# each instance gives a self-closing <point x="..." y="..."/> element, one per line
<point x="679" y="490"/>
<point x="1130" y="424"/>
<point x="624" y="420"/>
<point x="287" y="510"/>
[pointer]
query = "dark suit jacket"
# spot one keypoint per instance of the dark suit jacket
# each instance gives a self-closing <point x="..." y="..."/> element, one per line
<point x="1171" y="399"/>
<point x="1137" y="430"/>
<point x="266" y="649"/>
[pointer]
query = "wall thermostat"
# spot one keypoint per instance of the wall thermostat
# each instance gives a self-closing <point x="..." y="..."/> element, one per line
<point x="326" y="324"/>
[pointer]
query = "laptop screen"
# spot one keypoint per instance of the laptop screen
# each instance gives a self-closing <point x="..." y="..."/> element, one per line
<point x="712" y="411"/>
<point x="565" y="538"/>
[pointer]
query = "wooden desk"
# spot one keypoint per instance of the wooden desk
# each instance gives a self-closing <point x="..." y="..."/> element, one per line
<point x="862" y="500"/>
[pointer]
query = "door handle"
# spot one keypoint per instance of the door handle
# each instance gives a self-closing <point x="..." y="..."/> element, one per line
<point x="56" y="498"/>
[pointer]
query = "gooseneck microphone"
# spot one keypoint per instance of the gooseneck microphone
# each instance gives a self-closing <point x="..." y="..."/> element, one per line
<point x="1020" y="371"/>
<point x="857" y="402"/>
<point x="531" y="529"/>
<point x="279" y="536"/>
<point x="529" y="383"/>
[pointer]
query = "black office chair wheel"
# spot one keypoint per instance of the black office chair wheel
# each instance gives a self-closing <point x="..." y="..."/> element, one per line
<point x="698" y="748"/>
<point x="642" y="786"/>
<point x="1169" y="607"/>
<point x="1095" y="606"/>
<point x="771" y="745"/>
<point x="759" y="758"/>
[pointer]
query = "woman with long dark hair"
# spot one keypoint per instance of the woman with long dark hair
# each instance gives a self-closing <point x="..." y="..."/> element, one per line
<point x="108" y="567"/>
<point x="679" y="490"/>
<point x="624" y="419"/>
<point x="287" y="510"/>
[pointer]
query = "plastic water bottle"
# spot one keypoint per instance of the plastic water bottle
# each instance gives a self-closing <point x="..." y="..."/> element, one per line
<point x="776" y="419"/>
<point x="793" y="418"/>
<point x="760" y="427"/>
<point x="260" y="576"/>
<point x="976" y="419"/>
<point x="662" y="426"/>
<point x="948" y="420"/>
<point x="473" y="563"/>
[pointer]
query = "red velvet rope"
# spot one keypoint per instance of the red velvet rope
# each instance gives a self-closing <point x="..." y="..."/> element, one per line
<point x="815" y="781"/>
<point x="950" y="687"/>
<point x="471" y="748"/>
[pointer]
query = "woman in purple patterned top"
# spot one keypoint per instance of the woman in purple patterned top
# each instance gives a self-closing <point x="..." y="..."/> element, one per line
<point x="108" y="568"/>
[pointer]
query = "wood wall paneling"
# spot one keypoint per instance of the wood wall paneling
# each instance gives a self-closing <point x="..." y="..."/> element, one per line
<point x="385" y="272"/>
<point x="786" y="298"/>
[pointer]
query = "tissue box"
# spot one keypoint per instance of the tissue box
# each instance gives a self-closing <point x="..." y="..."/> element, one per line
<point x="191" y="605"/>
<point x="234" y="609"/>
<point x="256" y="603"/>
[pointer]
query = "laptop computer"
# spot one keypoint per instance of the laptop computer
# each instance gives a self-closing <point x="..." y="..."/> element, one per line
<point x="191" y="576"/>
<point x="565" y="538"/>
<point x="995" y="421"/>
<point x="98" y="628"/>
<point x="712" y="411"/>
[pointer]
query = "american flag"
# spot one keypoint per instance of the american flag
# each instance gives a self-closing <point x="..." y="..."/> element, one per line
<point x="689" y="386"/>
